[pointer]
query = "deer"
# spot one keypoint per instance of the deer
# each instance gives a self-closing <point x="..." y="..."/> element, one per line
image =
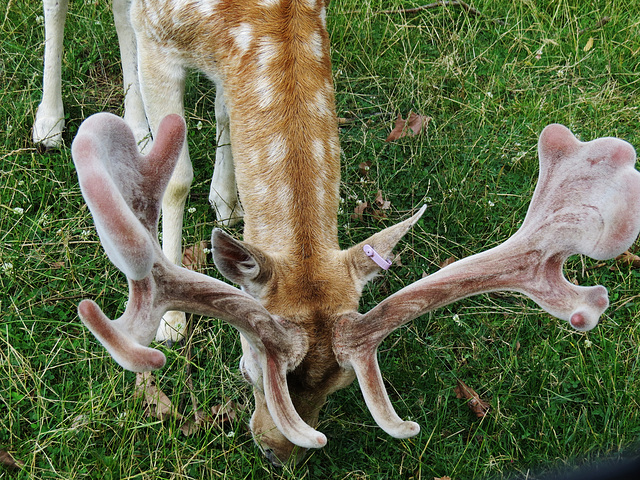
<point x="293" y="293"/>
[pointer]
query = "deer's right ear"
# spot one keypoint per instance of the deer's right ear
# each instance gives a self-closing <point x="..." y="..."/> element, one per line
<point x="239" y="262"/>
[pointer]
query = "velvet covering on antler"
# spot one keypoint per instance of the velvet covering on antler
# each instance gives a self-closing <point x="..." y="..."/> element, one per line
<point x="123" y="190"/>
<point x="587" y="201"/>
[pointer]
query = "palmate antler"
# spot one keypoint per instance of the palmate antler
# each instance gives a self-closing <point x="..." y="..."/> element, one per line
<point x="123" y="190"/>
<point x="587" y="201"/>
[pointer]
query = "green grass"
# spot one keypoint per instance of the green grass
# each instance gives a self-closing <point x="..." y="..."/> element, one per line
<point x="557" y="397"/>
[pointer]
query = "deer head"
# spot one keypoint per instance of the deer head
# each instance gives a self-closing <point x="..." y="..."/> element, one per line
<point x="302" y="337"/>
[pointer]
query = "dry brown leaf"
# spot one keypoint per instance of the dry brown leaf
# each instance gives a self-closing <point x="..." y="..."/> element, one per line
<point x="195" y="258"/>
<point x="447" y="261"/>
<point x="442" y="478"/>
<point x="363" y="168"/>
<point x="476" y="404"/>
<point x="358" y="212"/>
<point x="381" y="202"/>
<point x="628" y="258"/>
<point x="412" y="126"/>
<point x="7" y="460"/>
<point x="157" y="404"/>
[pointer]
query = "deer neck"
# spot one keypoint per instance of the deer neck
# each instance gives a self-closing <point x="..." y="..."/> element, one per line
<point x="285" y="135"/>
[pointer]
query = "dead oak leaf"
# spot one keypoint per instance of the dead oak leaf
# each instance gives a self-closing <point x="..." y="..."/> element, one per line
<point x="413" y="125"/>
<point x="476" y="404"/>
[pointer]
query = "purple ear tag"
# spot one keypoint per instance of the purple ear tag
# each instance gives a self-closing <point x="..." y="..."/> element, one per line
<point x="375" y="256"/>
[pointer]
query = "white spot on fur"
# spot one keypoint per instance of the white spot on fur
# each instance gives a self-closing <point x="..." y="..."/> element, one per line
<point x="315" y="44"/>
<point x="323" y="17"/>
<point x="277" y="150"/>
<point x="312" y="4"/>
<point x="267" y="51"/>
<point x="269" y="3"/>
<point x="207" y="7"/>
<point x="321" y="103"/>
<point x="265" y="91"/>
<point x="242" y="35"/>
<point x="317" y="147"/>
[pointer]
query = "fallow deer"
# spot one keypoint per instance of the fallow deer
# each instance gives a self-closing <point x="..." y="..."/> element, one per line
<point x="297" y="308"/>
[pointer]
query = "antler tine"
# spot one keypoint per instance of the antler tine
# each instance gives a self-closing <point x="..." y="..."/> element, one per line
<point x="587" y="201"/>
<point x="123" y="190"/>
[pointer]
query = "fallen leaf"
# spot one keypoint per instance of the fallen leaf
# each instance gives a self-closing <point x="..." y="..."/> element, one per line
<point x="226" y="415"/>
<point x="157" y="404"/>
<point x="358" y="212"/>
<point x="195" y="258"/>
<point x="412" y="126"/>
<point x="363" y="168"/>
<point x="446" y="262"/>
<point x="442" y="478"/>
<point x="7" y="460"/>
<point x="476" y="404"/>
<point x="628" y="258"/>
<point x="589" y="45"/>
<point x="381" y="202"/>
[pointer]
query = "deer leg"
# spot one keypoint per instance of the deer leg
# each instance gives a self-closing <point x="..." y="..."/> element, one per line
<point x="134" y="113"/>
<point x="224" y="194"/>
<point x="162" y="80"/>
<point x="49" y="122"/>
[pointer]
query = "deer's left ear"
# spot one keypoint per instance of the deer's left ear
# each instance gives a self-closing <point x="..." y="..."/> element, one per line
<point x="239" y="262"/>
<point x="383" y="242"/>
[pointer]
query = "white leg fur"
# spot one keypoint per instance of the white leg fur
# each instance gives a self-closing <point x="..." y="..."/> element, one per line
<point x="224" y="194"/>
<point x="49" y="123"/>
<point x="162" y="80"/>
<point x="134" y="113"/>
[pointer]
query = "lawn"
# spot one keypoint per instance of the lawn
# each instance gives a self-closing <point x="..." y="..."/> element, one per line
<point x="490" y="81"/>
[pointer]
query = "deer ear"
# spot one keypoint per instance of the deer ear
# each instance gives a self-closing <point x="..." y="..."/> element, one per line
<point x="383" y="242"/>
<point x="239" y="262"/>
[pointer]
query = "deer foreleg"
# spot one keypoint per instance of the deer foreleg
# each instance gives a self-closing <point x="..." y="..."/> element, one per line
<point x="224" y="194"/>
<point x="162" y="80"/>
<point x="49" y="122"/>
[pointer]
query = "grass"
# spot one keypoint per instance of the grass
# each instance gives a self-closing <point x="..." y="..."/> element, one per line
<point x="558" y="398"/>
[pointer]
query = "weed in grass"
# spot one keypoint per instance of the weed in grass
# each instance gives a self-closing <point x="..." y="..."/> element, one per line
<point x="557" y="397"/>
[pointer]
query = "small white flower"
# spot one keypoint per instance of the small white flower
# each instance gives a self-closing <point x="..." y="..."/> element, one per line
<point x="18" y="210"/>
<point x="20" y="183"/>
<point x="85" y="233"/>
<point x="231" y="434"/>
<point x="207" y="251"/>
<point x="456" y="319"/>
<point x="489" y="94"/>
<point x="192" y="210"/>
<point x="491" y="204"/>
<point x="199" y="125"/>
<point x="7" y="267"/>
<point x="587" y="343"/>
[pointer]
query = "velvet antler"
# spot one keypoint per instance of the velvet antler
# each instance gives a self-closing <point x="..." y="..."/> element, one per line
<point x="123" y="190"/>
<point x="587" y="201"/>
